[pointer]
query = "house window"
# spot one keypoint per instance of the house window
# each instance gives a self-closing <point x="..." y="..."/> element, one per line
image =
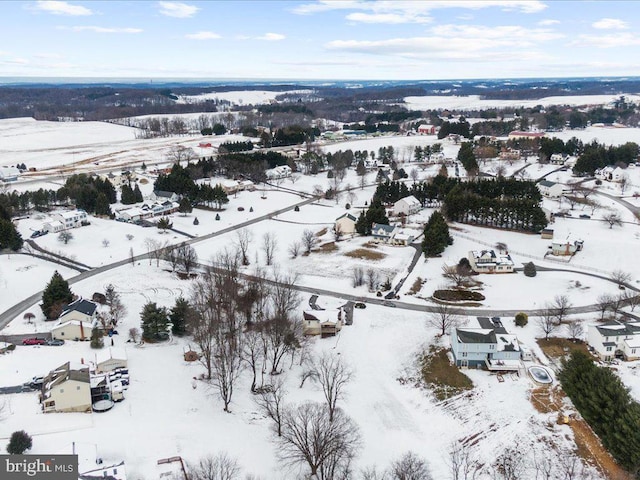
<point x="62" y="390"/>
<point x="492" y="347"/>
<point x="62" y="334"/>
<point x="633" y="350"/>
<point x="464" y="354"/>
<point x="608" y="349"/>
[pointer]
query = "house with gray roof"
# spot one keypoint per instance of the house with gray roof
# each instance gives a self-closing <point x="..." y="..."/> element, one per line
<point x="486" y="344"/>
<point x="615" y="340"/>
<point x="550" y="189"/>
<point x="382" y="233"/>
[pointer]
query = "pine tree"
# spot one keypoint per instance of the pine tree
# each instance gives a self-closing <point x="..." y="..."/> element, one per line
<point x="179" y="315"/>
<point x="137" y="194"/>
<point x="185" y="206"/>
<point x="164" y="224"/>
<point x="56" y="294"/>
<point x="127" y="197"/>
<point x="9" y="236"/>
<point x="436" y="235"/>
<point x="19" y="443"/>
<point x="97" y="338"/>
<point x="155" y="322"/>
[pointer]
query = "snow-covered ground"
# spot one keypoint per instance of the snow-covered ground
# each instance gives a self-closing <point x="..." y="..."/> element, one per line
<point x="240" y="97"/>
<point x="476" y="102"/>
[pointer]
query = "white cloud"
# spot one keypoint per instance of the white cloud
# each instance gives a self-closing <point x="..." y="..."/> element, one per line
<point x="606" y="41"/>
<point x="96" y="29"/>
<point x="389" y="18"/>
<point x="610" y="24"/>
<point x="177" y="9"/>
<point x="202" y="36"/>
<point x="548" y="23"/>
<point x="410" y="9"/>
<point x="271" y="37"/>
<point x="61" y="8"/>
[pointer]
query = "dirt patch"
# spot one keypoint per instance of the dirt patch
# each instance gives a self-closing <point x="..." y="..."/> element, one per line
<point x="558" y="348"/>
<point x="443" y="378"/>
<point x="365" y="254"/>
<point x="327" y="247"/>
<point x="322" y="232"/>
<point x="458" y="296"/>
<point x="416" y="287"/>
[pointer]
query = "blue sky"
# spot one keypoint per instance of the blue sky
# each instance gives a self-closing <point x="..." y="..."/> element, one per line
<point x="350" y="39"/>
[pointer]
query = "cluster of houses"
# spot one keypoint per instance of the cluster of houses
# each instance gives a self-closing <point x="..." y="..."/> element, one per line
<point x="611" y="174"/>
<point x="147" y="210"/>
<point x="65" y="220"/>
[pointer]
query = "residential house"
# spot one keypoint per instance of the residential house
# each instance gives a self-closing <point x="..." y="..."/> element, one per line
<point x="9" y="174"/>
<point x="407" y="206"/>
<point x="81" y="310"/>
<point x="282" y="171"/>
<point x="557" y="159"/>
<point x="109" y="359"/>
<point x="550" y="189"/>
<point x="382" y="233"/>
<point x="426" y="129"/>
<point x="68" y="219"/>
<point x="611" y="174"/>
<point x="403" y="237"/>
<point x="162" y="196"/>
<point x="247" y="185"/>
<point x="615" y="340"/>
<point x="486" y="344"/>
<point x="487" y="261"/>
<point x="134" y="214"/>
<point x="67" y="389"/>
<point x="124" y="178"/>
<point x="326" y="323"/>
<point x="53" y="226"/>
<point x="510" y="155"/>
<point x="566" y="246"/>
<point x="346" y="223"/>
<point x="72" y="330"/>
<point x="230" y="186"/>
<point x="519" y="134"/>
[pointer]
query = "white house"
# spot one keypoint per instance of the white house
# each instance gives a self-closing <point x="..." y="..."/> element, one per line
<point x="611" y="174"/>
<point x="9" y="174"/>
<point x="346" y="223"/>
<point x="550" y="189"/>
<point x="326" y="323"/>
<point x="557" y="159"/>
<point x="486" y="344"/>
<point x="81" y="310"/>
<point x="566" y="246"/>
<point x="67" y="389"/>
<point x="53" y="226"/>
<point x="72" y="330"/>
<point x="487" y="261"/>
<point x="162" y="196"/>
<point x="407" y="206"/>
<point x="69" y="219"/>
<point x="615" y="339"/>
<point x="382" y="233"/>
<point x="109" y="359"/>
<point x="282" y="171"/>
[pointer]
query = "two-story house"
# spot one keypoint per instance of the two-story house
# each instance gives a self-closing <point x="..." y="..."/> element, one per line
<point x="488" y="261"/>
<point x="615" y="339"/>
<point x="486" y="344"/>
<point x="67" y="389"/>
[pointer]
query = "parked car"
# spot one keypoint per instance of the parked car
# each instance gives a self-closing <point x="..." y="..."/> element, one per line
<point x="360" y="305"/>
<point x="34" y="341"/>
<point x="36" y="234"/>
<point x="387" y="303"/>
<point x="55" y="342"/>
<point x="585" y="216"/>
<point x="36" y="382"/>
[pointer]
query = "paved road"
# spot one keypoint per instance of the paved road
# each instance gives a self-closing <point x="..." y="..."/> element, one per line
<point x="17" y="389"/>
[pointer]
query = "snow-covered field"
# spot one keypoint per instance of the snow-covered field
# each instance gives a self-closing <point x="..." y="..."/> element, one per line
<point x="476" y="102"/>
<point x="240" y="97"/>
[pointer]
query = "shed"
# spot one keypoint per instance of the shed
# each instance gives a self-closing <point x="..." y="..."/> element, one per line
<point x="547" y="233"/>
<point x="110" y="359"/>
<point x="72" y="330"/>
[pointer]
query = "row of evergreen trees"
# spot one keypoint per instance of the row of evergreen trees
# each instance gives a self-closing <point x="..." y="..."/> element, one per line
<point x="605" y="403"/>
<point x="230" y="147"/>
<point x="180" y="181"/>
<point x="157" y="320"/>
<point x="130" y="195"/>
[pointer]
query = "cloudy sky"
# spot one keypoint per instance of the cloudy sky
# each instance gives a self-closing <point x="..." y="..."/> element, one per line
<point x="325" y="39"/>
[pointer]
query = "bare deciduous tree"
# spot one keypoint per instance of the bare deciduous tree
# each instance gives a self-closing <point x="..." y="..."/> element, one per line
<point x="604" y="303"/>
<point x="170" y="254"/>
<point x="218" y="467"/>
<point x="105" y="242"/>
<point x="409" y="467"/>
<point x="271" y="403"/>
<point x="372" y="279"/>
<point x="337" y="232"/>
<point x="620" y="277"/>
<point x="309" y="240"/>
<point x="612" y="219"/>
<point x="294" y="249"/>
<point x="561" y="306"/>
<point x="546" y="322"/>
<point x="461" y="462"/>
<point x="253" y="354"/>
<point x="117" y="309"/>
<point x="243" y="239"/>
<point x="510" y="464"/>
<point x="443" y="318"/>
<point x="187" y="256"/>
<point x="155" y="249"/>
<point x="269" y="245"/>
<point x="358" y="276"/>
<point x="309" y="438"/>
<point x="179" y="153"/>
<point x="134" y="334"/>
<point x="456" y="274"/>
<point x="65" y="236"/>
<point x="576" y="330"/>
<point x="333" y="376"/>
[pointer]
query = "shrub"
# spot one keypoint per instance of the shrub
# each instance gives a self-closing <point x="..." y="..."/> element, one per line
<point x="521" y="319"/>
<point x="217" y="216"/>
<point x="530" y="269"/>
<point x="196" y="221"/>
<point x="458" y="295"/>
<point x="19" y="442"/>
<point x="11" y="348"/>
<point x="296" y="209"/>
<point x="347" y="206"/>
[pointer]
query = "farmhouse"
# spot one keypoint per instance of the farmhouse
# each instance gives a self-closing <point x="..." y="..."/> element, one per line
<point x="407" y="206"/>
<point x="486" y="344"/>
<point x="426" y="129"/>
<point x="162" y="196"/>
<point x="382" y="233"/>
<point x="283" y="171"/>
<point x="487" y="261"/>
<point x="550" y="189"/>
<point x="557" y="159"/>
<point x="518" y="134"/>
<point x="346" y="223"/>
<point x="326" y="323"/>
<point x="67" y="389"/>
<point x="9" y="174"/>
<point x="567" y="246"/>
<point x="615" y="340"/>
<point x="109" y="359"/>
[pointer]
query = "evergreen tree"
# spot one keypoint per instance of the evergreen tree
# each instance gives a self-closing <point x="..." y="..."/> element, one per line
<point x="185" y="206"/>
<point x="97" y="338"/>
<point x="164" y="224"/>
<point x="436" y="235"/>
<point x="56" y="294"/>
<point x="468" y="159"/>
<point x="102" y="205"/>
<point x="9" y="236"/>
<point x="127" y="197"/>
<point x="155" y="322"/>
<point x="196" y="221"/>
<point x="137" y="194"/>
<point x="19" y="442"/>
<point x="361" y="169"/>
<point x="179" y="315"/>
<point x="143" y="167"/>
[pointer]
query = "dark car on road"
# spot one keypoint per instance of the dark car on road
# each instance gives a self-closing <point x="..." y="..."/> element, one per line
<point x="360" y="305"/>
<point x="34" y="341"/>
<point x="55" y="342"/>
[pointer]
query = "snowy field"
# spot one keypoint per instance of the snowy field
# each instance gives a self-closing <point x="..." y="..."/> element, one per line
<point x="240" y="97"/>
<point x="476" y="102"/>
